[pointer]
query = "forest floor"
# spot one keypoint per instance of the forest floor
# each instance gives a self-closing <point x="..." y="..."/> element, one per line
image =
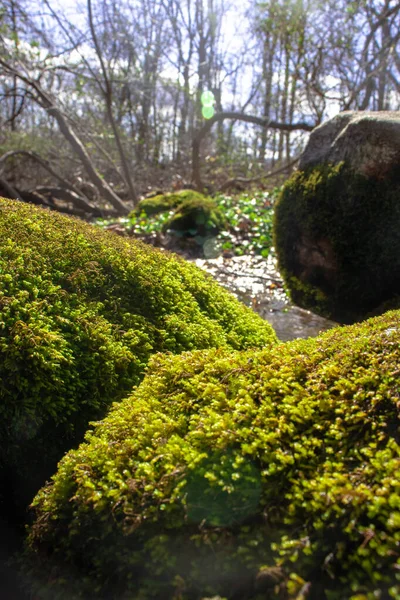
<point x="252" y="278"/>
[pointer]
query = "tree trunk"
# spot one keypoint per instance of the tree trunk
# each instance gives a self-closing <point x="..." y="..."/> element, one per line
<point x="105" y="191"/>
<point x="107" y="92"/>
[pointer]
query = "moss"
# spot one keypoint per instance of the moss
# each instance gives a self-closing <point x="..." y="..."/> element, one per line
<point x="199" y="217"/>
<point x="256" y="474"/>
<point x="81" y="312"/>
<point x="336" y="236"/>
<point x="165" y="202"/>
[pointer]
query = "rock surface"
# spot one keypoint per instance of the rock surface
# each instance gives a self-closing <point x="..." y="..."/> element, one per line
<point x="369" y="142"/>
<point x="337" y="220"/>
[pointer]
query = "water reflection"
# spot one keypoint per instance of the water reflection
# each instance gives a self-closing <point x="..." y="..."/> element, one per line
<point x="257" y="283"/>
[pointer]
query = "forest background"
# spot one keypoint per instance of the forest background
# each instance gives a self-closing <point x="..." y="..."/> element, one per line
<point x="104" y="101"/>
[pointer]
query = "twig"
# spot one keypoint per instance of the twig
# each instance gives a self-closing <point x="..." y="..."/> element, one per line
<point x="231" y="182"/>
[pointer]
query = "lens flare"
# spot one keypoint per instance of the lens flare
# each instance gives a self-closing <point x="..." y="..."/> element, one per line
<point x="207" y="112"/>
<point x="207" y="98"/>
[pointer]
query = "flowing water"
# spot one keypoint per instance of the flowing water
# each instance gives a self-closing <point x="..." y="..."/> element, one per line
<point x="257" y="283"/>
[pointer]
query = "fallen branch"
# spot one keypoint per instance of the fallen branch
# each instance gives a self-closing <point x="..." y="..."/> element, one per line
<point x="45" y="100"/>
<point x="247" y="180"/>
<point x="263" y="122"/>
<point x="70" y="196"/>
<point x="44" y="163"/>
<point x="10" y="191"/>
<point x="34" y="197"/>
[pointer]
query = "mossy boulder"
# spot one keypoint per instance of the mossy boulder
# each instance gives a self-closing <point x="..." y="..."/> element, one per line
<point x="166" y="202"/>
<point x="268" y="474"/>
<point x="197" y="217"/>
<point x="81" y="312"/>
<point x="367" y="141"/>
<point x="337" y="240"/>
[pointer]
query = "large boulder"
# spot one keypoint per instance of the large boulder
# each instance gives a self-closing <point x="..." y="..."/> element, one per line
<point x="337" y="221"/>
<point x="368" y="142"/>
<point x="81" y="312"/>
<point x="269" y="474"/>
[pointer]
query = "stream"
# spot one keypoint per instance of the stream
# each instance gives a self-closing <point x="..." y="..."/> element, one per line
<point x="257" y="283"/>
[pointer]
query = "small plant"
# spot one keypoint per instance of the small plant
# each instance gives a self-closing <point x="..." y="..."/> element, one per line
<point x="250" y="218"/>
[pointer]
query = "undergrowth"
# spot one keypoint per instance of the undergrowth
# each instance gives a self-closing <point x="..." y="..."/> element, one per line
<point x="249" y="217"/>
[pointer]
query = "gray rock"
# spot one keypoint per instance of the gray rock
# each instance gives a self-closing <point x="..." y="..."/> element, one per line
<point x="369" y="142"/>
<point x="337" y="221"/>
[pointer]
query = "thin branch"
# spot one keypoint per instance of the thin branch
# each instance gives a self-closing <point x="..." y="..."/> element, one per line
<point x="268" y="175"/>
<point x="237" y="116"/>
<point x="44" y="163"/>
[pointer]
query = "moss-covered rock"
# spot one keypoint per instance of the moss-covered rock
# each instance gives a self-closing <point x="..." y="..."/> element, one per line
<point x="81" y="311"/>
<point x="165" y="202"/>
<point x="269" y="474"/>
<point x="337" y="240"/>
<point x="197" y="217"/>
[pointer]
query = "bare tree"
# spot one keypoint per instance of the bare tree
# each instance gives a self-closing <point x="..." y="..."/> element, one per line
<point x="123" y="83"/>
<point x="106" y="88"/>
<point x="19" y="70"/>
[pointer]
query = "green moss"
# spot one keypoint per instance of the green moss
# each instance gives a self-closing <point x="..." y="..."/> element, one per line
<point x="259" y="474"/>
<point x="81" y="312"/>
<point x="349" y="226"/>
<point x="199" y="217"/>
<point x="166" y="202"/>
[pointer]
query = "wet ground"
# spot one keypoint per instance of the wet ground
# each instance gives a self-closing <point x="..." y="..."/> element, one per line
<point x="257" y="283"/>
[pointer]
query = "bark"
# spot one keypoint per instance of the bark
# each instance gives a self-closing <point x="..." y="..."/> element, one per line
<point x="105" y="191"/>
<point x="67" y="193"/>
<point x="267" y="66"/>
<point x="72" y="197"/>
<point x="184" y="113"/>
<point x="14" y="109"/>
<point x="10" y="191"/>
<point x="44" y="163"/>
<point x="181" y="26"/>
<point x="383" y="66"/>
